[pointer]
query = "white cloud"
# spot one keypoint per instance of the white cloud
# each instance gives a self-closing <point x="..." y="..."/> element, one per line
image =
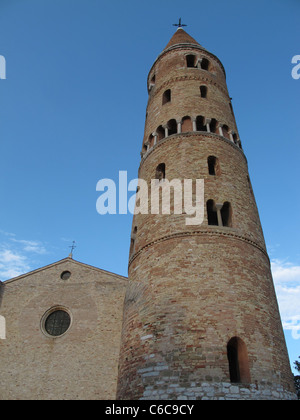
<point x="17" y="256"/>
<point x="287" y="284"/>
<point x="12" y="264"/>
<point x="31" y="246"/>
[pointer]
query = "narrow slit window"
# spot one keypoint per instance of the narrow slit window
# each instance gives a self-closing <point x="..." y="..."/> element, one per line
<point x="212" y="162"/>
<point x="213" y="126"/>
<point x="203" y="91"/>
<point x="166" y="97"/>
<point x="212" y="215"/>
<point x="226" y="214"/>
<point x="160" y="172"/>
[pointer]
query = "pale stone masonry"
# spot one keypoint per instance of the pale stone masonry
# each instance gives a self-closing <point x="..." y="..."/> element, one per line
<point x="83" y="363"/>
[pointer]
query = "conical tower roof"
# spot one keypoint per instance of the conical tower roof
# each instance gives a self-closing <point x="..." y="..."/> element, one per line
<point x="181" y="37"/>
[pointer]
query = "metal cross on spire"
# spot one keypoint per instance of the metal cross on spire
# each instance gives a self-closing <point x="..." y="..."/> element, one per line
<point x="179" y="25"/>
<point x="73" y="246"/>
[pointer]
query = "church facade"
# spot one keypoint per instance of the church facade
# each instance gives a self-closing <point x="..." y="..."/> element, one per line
<point x="197" y="317"/>
<point x="63" y="329"/>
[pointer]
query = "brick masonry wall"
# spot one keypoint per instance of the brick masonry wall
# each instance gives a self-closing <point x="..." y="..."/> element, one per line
<point x="171" y="73"/>
<point x="82" y="364"/>
<point x="181" y="310"/>
<point x="185" y="156"/>
<point x="193" y="288"/>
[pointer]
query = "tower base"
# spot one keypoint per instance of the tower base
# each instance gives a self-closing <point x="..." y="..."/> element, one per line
<point x="217" y="391"/>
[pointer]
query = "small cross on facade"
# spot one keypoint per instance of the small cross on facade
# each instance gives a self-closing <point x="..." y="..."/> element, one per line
<point x="72" y="249"/>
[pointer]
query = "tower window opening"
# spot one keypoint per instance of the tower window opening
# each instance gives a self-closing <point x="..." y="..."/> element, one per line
<point x="226" y="214"/>
<point x="166" y="97"/>
<point x="152" y="83"/>
<point x="212" y="215"/>
<point x="238" y="361"/>
<point x="187" y="124"/>
<point x="160" y="133"/>
<point x="204" y="64"/>
<point x="225" y="130"/>
<point x="190" y="61"/>
<point x="200" y="126"/>
<point x="213" y="126"/>
<point x="160" y="172"/>
<point x="218" y="214"/>
<point x="213" y="165"/>
<point x="172" y="126"/>
<point x="151" y="140"/>
<point x="203" y="91"/>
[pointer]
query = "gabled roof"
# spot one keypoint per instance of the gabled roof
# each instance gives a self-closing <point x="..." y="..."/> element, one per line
<point x="181" y="37"/>
<point x="69" y="260"/>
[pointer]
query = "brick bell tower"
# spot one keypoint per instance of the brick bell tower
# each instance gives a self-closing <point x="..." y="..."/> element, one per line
<point x="201" y="318"/>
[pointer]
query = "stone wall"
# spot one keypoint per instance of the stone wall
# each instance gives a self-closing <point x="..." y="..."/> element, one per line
<point x="81" y="364"/>
<point x="217" y="391"/>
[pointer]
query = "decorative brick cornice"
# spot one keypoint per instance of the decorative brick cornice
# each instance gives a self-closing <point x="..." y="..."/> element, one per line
<point x="187" y="47"/>
<point x="201" y="77"/>
<point x="192" y="134"/>
<point x="229" y="233"/>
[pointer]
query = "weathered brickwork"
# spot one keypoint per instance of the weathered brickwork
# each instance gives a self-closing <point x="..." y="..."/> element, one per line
<point x="82" y="364"/>
<point x="193" y="290"/>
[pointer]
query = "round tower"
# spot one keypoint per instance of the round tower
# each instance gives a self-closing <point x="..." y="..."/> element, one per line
<point x="201" y="318"/>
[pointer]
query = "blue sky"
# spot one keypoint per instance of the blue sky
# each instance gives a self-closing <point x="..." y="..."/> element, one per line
<point x="73" y="110"/>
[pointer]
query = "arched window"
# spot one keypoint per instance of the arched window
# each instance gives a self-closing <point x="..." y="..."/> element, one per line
<point x="166" y="97"/>
<point x="226" y="214"/>
<point x="213" y="126"/>
<point x="190" y="60"/>
<point x="160" y="133"/>
<point x="225" y="130"/>
<point x="200" y="126"/>
<point x="238" y="361"/>
<point x="172" y="127"/>
<point x="213" y="165"/>
<point x="205" y="64"/>
<point x="212" y="215"/>
<point x="235" y="139"/>
<point x="144" y="149"/>
<point x="203" y="91"/>
<point x="218" y="214"/>
<point x="151" y="140"/>
<point x="160" y="172"/>
<point x="187" y="124"/>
